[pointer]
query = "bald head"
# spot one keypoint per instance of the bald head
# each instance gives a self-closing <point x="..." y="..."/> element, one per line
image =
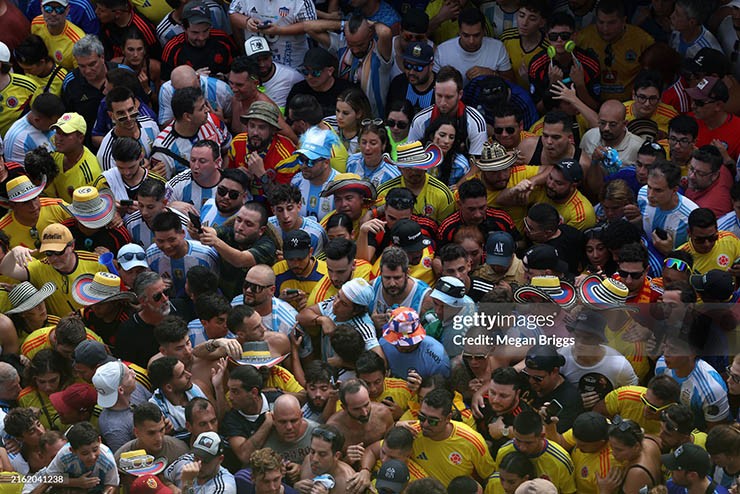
<point x="612" y="122"/>
<point x="288" y="418"/>
<point x="261" y="274"/>
<point x="286" y="405"/>
<point x="184" y="76"/>
<point x="613" y="110"/>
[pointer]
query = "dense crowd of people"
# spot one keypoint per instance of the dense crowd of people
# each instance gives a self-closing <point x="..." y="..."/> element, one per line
<point x="389" y="246"/>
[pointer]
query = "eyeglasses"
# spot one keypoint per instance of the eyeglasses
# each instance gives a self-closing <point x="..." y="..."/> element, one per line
<point x="128" y="116"/>
<point x="399" y="124"/>
<point x="684" y="141"/>
<point x="706" y="239"/>
<point x="432" y="421"/>
<point x="35" y="236"/>
<point x="225" y="191"/>
<point x="537" y="379"/>
<point x="646" y="99"/>
<point x="130" y="256"/>
<point x="304" y="161"/>
<point x="735" y="377"/>
<point x="157" y="297"/>
<point x="312" y="72"/>
<point x="470" y="356"/>
<point x="699" y="173"/>
<point x="59" y="10"/>
<point x="324" y="434"/>
<point x="654" y="408"/>
<point x="501" y="130"/>
<point x="449" y="289"/>
<point x="51" y="253"/>
<point x="699" y="103"/>
<point x="630" y="274"/>
<point x="372" y="121"/>
<point x="414" y="67"/>
<point x="564" y="35"/>
<point x="676" y="264"/>
<point x="254" y="287"/>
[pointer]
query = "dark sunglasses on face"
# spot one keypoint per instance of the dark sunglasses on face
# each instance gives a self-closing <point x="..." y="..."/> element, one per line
<point x="157" y="297"/>
<point x="129" y="116"/>
<point x="470" y="356"/>
<point x="630" y="274"/>
<point x="223" y="192"/>
<point x="414" y="67"/>
<point x="432" y="421"/>
<point x="254" y="287"/>
<point x="128" y="256"/>
<point x="699" y="103"/>
<point x="50" y="253"/>
<point x="304" y="161"/>
<point x="59" y="10"/>
<point x="735" y="377"/>
<point x="399" y="124"/>
<point x="537" y="379"/>
<point x="305" y="71"/>
<point x="501" y="130"/>
<point x="564" y="35"/>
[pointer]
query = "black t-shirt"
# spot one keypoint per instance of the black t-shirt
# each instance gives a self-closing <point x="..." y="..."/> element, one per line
<point x="135" y="341"/>
<point x="400" y="90"/>
<point x="79" y="96"/>
<point x="110" y="238"/>
<point x="570" y="245"/>
<point x="567" y="395"/>
<point x="327" y="99"/>
<point x="231" y="278"/>
<point x="217" y="54"/>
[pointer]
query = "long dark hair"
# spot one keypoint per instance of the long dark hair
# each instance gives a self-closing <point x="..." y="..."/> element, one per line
<point x="445" y="167"/>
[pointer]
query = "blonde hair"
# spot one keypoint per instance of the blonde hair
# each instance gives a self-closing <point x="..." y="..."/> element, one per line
<point x="619" y="191"/>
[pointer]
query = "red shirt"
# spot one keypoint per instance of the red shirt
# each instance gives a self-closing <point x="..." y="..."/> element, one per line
<point x="727" y="133"/>
<point x="717" y="196"/>
<point x="280" y="164"/>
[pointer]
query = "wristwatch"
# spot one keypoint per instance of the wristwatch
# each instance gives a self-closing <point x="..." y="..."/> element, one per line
<point x="505" y="432"/>
<point x="264" y="179"/>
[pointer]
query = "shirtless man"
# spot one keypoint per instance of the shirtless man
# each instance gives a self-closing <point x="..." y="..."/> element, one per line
<point x="361" y="421"/>
<point x="323" y="459"/>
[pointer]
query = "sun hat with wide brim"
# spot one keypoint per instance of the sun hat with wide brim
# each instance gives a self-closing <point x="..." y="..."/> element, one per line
<point x="257" y="354"/>
<point x="494" y="157"/>
<point x="527" y="294"/>
<point x="350" y="182"/>
<point x="102" y="287"/>
<point x="561" y="292"/>
<point x="24" y="296"/>
<point x="21" y="189"/>
<point x="604" y="294"/>
<point x="138" y="463"/>
<point x="414" y="155"/>
<point x="92" y="208"/>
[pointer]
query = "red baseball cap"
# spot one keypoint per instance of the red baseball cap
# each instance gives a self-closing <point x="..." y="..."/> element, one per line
<point x="76" y="397"/>
<point x="149" y="484"/>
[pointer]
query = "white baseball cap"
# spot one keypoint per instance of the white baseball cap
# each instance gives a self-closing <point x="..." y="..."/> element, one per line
<point x="4" y="53"/>
<point x="107" y="379"/>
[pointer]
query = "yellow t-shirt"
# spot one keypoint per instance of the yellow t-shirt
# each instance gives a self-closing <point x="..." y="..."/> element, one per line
<point x="421" y="271"/>
<point x="553" y="464"/>
<point x="59" y="45"/>
<point x="494" y="484"/>
<point x="51" y="212"/>
<point x="466" y="414"/>
<point x="82" y="173"/>
<point x="463" y="453"/>
<point x="435" y="200"/>
<point x="281" y="378"/>
<point x="39" y="340"/>
<point x="726" y="249"/>
<point x="15" y="100"/>
<point x="512" y="42"/>
<point x="450" y="28"/>
<point x="325" y="290"/>
<point x="626" y="402"/>
<point x="662" y="115"/>
<point x="284" y="277"/>
<point x="624" y="55"/>
<point x="56" y="84"/>
<point x="587" y="465"/>
<point x="539" y="125"/>
<point x="577" y="211"/>
<point x="32" y="397"/>
<point x="634" y="352"/>
<point x="154" y="10"/>
<point x="61" y="302"/>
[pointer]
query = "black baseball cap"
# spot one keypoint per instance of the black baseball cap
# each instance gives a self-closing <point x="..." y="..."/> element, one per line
<point x="544" y="256"/>
<point x="319" y="58"/>
<point x="715" y="285"/>
<point x="393" y="476"/>
<point x="708" y="61"/>
<point x="420" y="53"/>
<point x="297" y="245"/>
<point x="571" y="170"/>
<point x="407" y="235"/>
<point x="544" y="358"/>
<point x="689" y="458"/>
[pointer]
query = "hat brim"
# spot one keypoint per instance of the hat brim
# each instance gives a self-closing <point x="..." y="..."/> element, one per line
<point x="296" y="254"/>
<point x="592" y="293"/>
<point x="669" y="461"/>
<point x="109" y="399"/>
<point x="696" y="94"/>
<point x="97" y="219"/>
<point x="362" y="187"/>
<point x="46" y="291"/>
<point x="566" y="298"/>
<point x="309" y="154"/>
<point x="81" y="292"/>
<point x="258" y="362"/>
<point x="498" y="165"/>
<point x="498" y="260"/>
<point x="267" y="120"/>
<point x="643" y="127"/>
<point x="528" y="294"/>
<point x="447" y="299"/>
<point x="128" y="265"/>
<point x="396" y="339"/>
<point x="58" y="403"/>
<point x="31" y="193"/>
<point x="157" y="467"/>
<point x="431" y="157"/>
<point x="395" y="487"/>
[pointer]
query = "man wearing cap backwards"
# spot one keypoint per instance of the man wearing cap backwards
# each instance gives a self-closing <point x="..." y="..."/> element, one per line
<point x="414" y="85"/>
<point x="261" y="152"/>
<point x="314" y="154"/>
<point x="91" y="225"/>
<point x="63" y="265"/>
<point x="201" y="470"/>
<point x="16" y="91"/>
<point x="59" y="34"/>
<point x="690" y="466"/>
<point x="77" y="165"/>
<point x="199" y="46"/>
<point x="29" y="214"/>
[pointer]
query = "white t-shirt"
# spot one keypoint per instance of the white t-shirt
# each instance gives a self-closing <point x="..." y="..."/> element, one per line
<point x="613" y="366"/>
<point x="627" y="148"/>
<point x="492" y="55"/>
<point x="280" y="84"/>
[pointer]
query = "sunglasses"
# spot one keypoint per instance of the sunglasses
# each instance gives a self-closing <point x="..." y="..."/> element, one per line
<point x="470" y="356"/>
<point x="304" y="161"/>
<point x="704" y="240"/>
<point x="564" y="35"/>
<point x="400" y="203"/>
<point x="501" y="130"/>
<point x="399" y="124"/>
<point x="59" y="10"/>
<point x="646" y="99"/>
<point x="372" y="121"/>
<point x="700" y="103"/>
<point x="670" y="424"/>
<point x="129" y="116"/>
<point x="623" y="425"/>
<point x="324" y="434"/>
<point x="130" y="256"/>
<point x="735" y="377"/>
<point x="654" y="408"/>
<point x="157" y="297"/>
<point x="224" y="191"/>
<point x="305" y="71"/>
<point x="451" y="290"/>
<point x="414" y="67"/>
<point x="676" y="264"/>
<point x="254" y="287"/>
<point x="35" y="236"/>
<point x="432" y="421"/>
<point x="537" y="379"/>
<point x="630" y="274"/>
<point x="51" y="253"/>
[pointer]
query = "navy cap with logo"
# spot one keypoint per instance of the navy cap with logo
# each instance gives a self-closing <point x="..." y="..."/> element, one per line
<point x="296" y="245"/>
<point x="407" y="235"/>
<point x="420" y="53"/>
<point x="689" y="458"/>
<point x="571" y="170"/>
<point x="544" y="358"/>
<point x="392" y="477"/>
<point x="499" y="249"/>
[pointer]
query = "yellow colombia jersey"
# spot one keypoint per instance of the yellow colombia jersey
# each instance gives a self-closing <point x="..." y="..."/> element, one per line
<point x="325" y="290"/>
<point x="142" y="375"/>
<point x="39" y="340"/>
<point x="577" y="211"/>
<point x="57" y="76"/>
<point x="82" y="173"/>
<point x="587" y="465"/>
<point x="31" y="397"/>
<point x="339" y="153"/>
<point x="620" y="61"/>
<point x="662" y="115"/>
<point x="519" y="58"/>
<point x="466" y="414"/>
<point x="626" y="402"/>
<point x="463" y="453"/>
<point x="553" y="464"/>
<point x="355" y="224"/>
<point x="282" y="379"/>
<point x="154" y="10"/>
<point x="15" y="100"/>
<point x="395" y="389"/>
<point x="421" y="271"/>
<point x="51" y="212"/>
<point x="51" y="321"/>
<point x="61" y="302"/>
<point x="416" y="472"/>
<point x="726" y="249"/>
<point x="518" y="173"/>
<point x="634" y="352"/>
<point x="450" y="28"/>
<point x="285" y="278"/>
<point x="59" y="45"/>
<point x="435" y="200"/>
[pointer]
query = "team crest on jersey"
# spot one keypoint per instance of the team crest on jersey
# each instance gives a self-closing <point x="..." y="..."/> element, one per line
<point x="283" y="11"/>
<point x="630" y="56"/>
<point x="428" y="210"/>
<point x="723" y="260"/>
<point x="12" y="102"/>
<point x="584" y="472"/>
<point x="427" y="262"/>
<point x="58" y="55"/>
<point x="218" y="58"/>
<point x="312" y="202"/>
<point x="455" y="458"/>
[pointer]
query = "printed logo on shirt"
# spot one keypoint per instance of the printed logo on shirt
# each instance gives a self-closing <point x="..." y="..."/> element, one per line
<point x="428" y="210"/>
<point x="723" y="260"/>
<point x="630" y="56"/>
<point x="584" y="472"/>
<point x="12" y="102"/>
<point x="455" y="458"/>
<point x="58" y="55"/>
<point x="283" y="12"/>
